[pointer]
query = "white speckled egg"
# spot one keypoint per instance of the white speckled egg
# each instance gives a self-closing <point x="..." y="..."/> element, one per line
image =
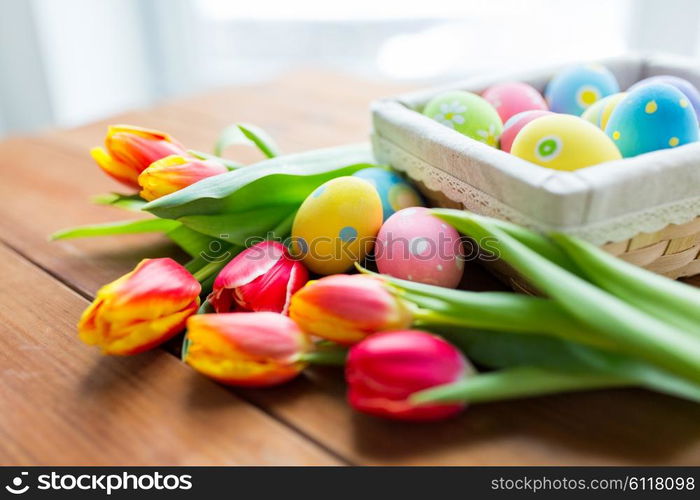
<point x="574" y="89"/>
<point x="336" y="225"/>
<point x="416" y="246"/>
<point x="652" y="117"/>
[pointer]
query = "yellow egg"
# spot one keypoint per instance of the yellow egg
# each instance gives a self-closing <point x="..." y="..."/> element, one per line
<point x="564" y="142"/>
<point x="336" y="225"/>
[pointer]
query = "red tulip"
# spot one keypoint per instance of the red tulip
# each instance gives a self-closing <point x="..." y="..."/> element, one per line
<point x="384" y="370"/>
<point x="246" y="349"/>
<point x="261" y="278"/>
<point x="346" y="308"/>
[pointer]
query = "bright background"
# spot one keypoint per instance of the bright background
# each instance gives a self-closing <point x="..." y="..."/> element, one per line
<point x="68" y="62"/>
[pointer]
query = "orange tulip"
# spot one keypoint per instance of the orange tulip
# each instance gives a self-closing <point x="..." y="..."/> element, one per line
<point x="131" y="149"/>
<point x="255" y="349"/>
<point x="175" y="172"/>
<point x="346" y="308"/>
<point x="141" y="309"/>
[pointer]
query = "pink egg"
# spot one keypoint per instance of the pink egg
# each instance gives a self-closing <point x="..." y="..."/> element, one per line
<point x="514" y="97"/>
<point x="515" y="124"/>
<point x="416" y="246"/>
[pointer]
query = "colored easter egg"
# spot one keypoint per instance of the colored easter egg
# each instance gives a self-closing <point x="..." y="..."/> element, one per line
<point x="690" y="90"/>
<point x="467" y="113"/>
<point x="515" y="124"/>
<point x="576" y="88"/>
<point x="416" y="246"/>
<point x="336" y="225"/>
<point x="511" y="98"/>
<point x="652" y="117"/>
<point x="563" y="142"/>
<point x="393" y="190"/>
<point x="600" y="112"/>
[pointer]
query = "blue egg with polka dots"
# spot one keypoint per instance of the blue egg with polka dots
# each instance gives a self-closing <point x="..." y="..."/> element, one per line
<point x="574" y="89"/>
<point x="652" y="117"/>
<point x="395" y="193"/>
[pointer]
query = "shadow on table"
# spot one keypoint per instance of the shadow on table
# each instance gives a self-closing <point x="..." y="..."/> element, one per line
<point x="605" y="427"/>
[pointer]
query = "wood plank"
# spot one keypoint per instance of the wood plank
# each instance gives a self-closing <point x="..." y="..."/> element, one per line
<point x="606" y="427"/>
<point x="62" y="403"/>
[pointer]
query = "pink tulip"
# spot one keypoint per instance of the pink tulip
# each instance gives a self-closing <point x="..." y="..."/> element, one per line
<point x="261" y="278"/>
<point x="384" y="370"/>
<point x="347" y="308"/>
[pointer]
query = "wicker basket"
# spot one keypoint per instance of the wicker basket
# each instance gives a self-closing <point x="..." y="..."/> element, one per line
<point x="554" y="201"/>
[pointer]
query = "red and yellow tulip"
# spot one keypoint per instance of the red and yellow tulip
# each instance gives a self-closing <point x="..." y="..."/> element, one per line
<point x="346" y="308"/>
<point x="141" y="309"/>
<point x="385" y="369"/>
<point x="254" y="349"/>
<point x="175" y="172"/>
<point x="261" y="278"/>
<point x="129" y="150"/>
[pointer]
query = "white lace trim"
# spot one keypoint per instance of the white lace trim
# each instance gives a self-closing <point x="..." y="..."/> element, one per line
<point x="471" y="198"/>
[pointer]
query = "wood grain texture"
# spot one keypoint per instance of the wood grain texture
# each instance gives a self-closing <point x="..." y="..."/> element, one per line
<point x="51" y="177"/>
<point x="61" y="402"/>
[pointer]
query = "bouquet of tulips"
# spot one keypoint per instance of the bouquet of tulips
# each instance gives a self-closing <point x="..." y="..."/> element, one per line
<point x="253" y="317"/>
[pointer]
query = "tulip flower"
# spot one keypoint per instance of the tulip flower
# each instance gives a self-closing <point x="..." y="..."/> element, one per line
<point x="255" y="349"/>
<point x="346" y="308"/>
<point x="141" y="309"/>
<point x="131" y="149"/>
<point x="175" y="172"/>
<point x="261" y="278"/>
<point x="385" y="369"/>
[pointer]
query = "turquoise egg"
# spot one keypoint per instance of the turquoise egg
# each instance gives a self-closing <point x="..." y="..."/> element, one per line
<point x="576" y="88"/>
<point x="652" y="117"/>
<point x="395" y="192"/>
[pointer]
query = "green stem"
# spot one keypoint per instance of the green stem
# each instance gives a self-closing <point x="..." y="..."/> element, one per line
<point x="335" y="357"/>
<point x="639" y="333"/>
<point x="513" y="383"/>
<point x="208" y="270"/>
<point x="568" y="329"/>
<point x="666" y="299"/>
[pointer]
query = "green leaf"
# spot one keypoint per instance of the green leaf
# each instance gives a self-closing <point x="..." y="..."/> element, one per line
<point x="286" y="180"/>
<point x="515" y="383"/>
<point x="635" y="331"/>
<point x="505" y="350"/>
<point x="666" y="299"/>
<point x="238" y="227"/>
<point x="194" y="242"/>
<point x="247" y="134"/>
<point x="132" y="202"/>
<point x="121" y="227"/>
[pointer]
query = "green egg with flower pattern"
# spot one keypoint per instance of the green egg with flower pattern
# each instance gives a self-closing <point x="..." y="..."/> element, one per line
<point x="468" y="114"/>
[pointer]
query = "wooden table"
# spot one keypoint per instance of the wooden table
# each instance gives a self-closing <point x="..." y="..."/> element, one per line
<point x="63" y="403"/>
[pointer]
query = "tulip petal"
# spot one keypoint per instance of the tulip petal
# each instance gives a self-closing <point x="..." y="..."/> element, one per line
<point x="119" y="171"/>
<point x="248" y="349"/>
<point x="141" y="309"/>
